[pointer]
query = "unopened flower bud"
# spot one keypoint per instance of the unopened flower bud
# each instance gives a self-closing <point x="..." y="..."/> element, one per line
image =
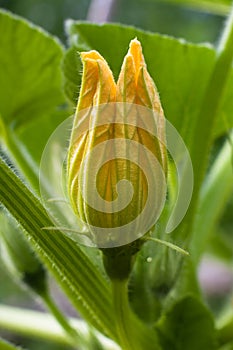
<point x="117" y="155"/>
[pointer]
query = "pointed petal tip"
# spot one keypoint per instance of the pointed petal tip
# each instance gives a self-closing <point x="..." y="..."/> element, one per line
<point x="135" y="44"/>
<point x="135" y="49"/>
<point x="91" y="55"/>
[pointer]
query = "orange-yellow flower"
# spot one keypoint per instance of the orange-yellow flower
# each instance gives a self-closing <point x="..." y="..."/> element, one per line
<point x="108" y="107"/>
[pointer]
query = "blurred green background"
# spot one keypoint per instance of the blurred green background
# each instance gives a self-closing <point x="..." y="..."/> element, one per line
<point x="192" y="22"/>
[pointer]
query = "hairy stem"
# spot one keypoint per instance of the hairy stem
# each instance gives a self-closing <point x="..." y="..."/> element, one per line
<point x="132" y="333"/>
<point x="122" y="314"/>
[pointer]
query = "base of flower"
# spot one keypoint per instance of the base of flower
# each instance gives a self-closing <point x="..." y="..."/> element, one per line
<point x="118" y="261"/>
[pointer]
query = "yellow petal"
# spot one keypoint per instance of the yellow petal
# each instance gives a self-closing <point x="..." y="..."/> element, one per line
<point x="147" y="94"/>
<point x="126" y="85"/>
<point x="106" y="86"/>
<point x="92" y="55"/>
<point x="98" y="85"/>
<point x="135" y="49"/>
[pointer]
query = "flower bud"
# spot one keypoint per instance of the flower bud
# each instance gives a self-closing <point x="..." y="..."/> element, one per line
<point x="117" y="155"/>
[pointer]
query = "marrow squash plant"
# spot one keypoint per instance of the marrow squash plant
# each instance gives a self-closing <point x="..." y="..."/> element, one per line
<point x="111" y="181"/>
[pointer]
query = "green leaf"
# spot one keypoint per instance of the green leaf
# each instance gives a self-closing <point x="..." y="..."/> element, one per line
<point x="30" y="74"/>
<point x="187" y="325"/>
<point x="35" y="135"/>
<point x="220" y="245"/>
<point x="72" y="74"/>
<point x="30" y="91"/>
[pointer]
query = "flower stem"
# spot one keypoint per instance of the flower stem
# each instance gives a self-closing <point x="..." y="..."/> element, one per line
<point x="122" y="313"/>
<point x="132" y="333"/>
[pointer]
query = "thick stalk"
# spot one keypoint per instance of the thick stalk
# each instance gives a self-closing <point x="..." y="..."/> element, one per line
<point x="122" y="314"/>
<point x="132" y="333"/>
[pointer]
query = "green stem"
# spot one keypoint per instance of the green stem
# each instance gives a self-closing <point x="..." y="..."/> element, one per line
<point x="43" y="326"/>
<point x="217" y="188"/>
<point x="74" y="335"/>
<point x="122" y="313"/>
<point x="209" y="111"/>
<point x="132" y="333"/>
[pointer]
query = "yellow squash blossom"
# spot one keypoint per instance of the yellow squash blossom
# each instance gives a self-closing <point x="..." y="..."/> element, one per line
<point x="113" y="113"/>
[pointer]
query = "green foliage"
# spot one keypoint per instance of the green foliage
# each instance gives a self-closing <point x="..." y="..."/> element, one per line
<point x="30" y="92"/>
<point x="188" y="325"/>
<point x="32" y="86"/>
<point x="195" y="84"/>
